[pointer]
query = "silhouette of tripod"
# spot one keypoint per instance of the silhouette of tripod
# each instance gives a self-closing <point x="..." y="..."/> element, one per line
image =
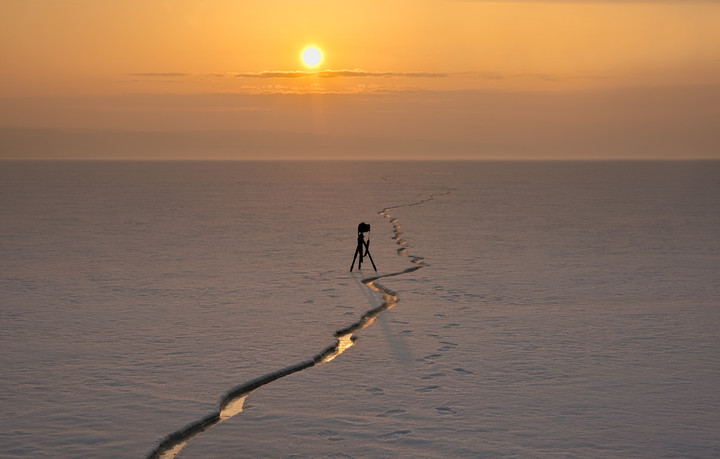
<point x="363" y="247"/>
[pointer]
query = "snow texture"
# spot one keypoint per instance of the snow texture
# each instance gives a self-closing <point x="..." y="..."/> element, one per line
<point x="562" y="309"/>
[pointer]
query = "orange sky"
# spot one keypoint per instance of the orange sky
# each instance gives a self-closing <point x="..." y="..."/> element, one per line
<point x="100" y="64"/>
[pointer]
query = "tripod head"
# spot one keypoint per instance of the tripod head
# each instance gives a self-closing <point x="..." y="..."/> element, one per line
<point x="363" y="228"/>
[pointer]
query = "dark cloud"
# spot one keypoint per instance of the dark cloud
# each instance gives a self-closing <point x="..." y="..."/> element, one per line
<point x="160" y="74"/>
<point x="292" y="74"/>
<point x="297" y="74"/>
<point x="336" y="74"/>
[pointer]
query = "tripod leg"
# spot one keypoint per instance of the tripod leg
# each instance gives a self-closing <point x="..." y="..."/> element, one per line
<point x="353" y="263"/>
<point x="367" y="252"/>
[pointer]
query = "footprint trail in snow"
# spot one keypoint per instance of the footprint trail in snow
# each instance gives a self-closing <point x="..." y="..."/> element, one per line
<point x="233" y="401"/>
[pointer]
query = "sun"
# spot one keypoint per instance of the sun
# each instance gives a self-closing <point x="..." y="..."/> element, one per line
<point x="312" y="56"/>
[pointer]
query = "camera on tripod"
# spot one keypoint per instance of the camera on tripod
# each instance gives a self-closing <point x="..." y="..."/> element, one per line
<point x="363" y="246"/>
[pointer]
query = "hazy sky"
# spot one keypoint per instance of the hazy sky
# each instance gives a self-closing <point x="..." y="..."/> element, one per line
<point x="422" y="78"/>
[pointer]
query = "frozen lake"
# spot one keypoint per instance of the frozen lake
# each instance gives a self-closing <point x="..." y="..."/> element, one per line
<point x="562" y="309"/>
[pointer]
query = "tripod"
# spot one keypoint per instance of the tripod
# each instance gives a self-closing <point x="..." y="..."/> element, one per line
<point x="362" y="246"/>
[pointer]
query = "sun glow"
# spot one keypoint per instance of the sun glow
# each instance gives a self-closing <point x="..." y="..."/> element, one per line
<point x="312" y="56"/>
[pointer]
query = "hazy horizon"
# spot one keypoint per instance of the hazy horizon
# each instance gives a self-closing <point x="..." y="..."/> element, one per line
<point x="446" y="80"/>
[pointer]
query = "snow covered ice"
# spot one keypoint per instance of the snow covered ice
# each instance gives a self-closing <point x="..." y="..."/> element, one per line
<point x="563" y="309"/>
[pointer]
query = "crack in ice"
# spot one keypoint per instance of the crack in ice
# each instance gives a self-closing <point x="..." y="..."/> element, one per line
<point x="232" y="403"/>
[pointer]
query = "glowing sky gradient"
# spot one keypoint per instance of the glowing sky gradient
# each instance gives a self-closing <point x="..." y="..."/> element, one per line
<point x="479" y="79"/>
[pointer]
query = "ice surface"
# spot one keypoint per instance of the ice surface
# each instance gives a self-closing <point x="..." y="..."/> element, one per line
<point x="566" y="309"/>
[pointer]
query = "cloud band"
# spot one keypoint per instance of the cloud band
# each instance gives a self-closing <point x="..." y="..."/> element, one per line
<point x="292" y="74"/>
